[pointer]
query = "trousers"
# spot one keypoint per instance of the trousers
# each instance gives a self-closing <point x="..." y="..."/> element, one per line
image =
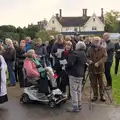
<point x="97" y="79"/>
<point x="75" y="90"/>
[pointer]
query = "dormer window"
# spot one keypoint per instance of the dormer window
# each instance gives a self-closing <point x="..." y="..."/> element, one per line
<point x="93" y="19"/>
<point x="94" y="28"/>
<point x="53" y="21"/>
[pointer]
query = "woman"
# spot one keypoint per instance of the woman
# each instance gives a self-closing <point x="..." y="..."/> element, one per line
<point x="10" y="57"/>
<point x="63" y="62"/>
<point x="75" y="69"/>
<point x="3" y="89"/>
<point x="16" y="46"/>
<point x="35" y="71"/>
<point x="20" y="55"/>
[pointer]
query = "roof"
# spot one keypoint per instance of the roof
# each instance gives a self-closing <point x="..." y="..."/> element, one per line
<point x="74" y="21"/>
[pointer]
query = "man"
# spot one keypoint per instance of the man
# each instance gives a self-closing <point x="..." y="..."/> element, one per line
<point x="97" y="56"/>
<point x="29" y="43"/>
<point x="117" y="56"/>
<point x="108" y="64"/>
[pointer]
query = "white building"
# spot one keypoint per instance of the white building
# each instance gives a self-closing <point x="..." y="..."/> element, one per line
<point x="77" y="24"/>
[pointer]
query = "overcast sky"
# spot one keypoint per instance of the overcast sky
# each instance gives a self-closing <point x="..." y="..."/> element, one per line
<point x="23" y="12"/>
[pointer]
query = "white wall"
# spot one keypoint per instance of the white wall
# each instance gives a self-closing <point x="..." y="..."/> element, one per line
<point x="90" y="23"/>
<point x="55" y="25"/>
<point x="69" y="29"/>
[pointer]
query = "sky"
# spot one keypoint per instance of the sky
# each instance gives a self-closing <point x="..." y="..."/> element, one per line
<point x="24" y="12"/>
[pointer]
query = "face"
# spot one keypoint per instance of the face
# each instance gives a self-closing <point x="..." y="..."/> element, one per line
<point x="34" y="55"/>
<point x="105" y="37"/>
<point x="96" y="42"/>
<point x="22" y="44"/>
<point x="6" y="42"/>
<point x="68" y="47"/>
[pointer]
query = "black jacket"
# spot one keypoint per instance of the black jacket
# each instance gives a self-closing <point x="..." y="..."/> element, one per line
<point x="117" y="47"/>
<point x="76" y="63"/>
<point x="20" y="57"/>
<point x="110" y="51"/>
<point x="9" y="54"/>
<point x="50" y="45"/>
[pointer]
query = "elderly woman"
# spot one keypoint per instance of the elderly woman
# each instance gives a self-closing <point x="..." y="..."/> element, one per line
<point x="35" y="71"/>
<point x="10" y="57"/>
<point x="3" y="89"/>
<point x="97" y="56"/>
<point x="75" y="69"/>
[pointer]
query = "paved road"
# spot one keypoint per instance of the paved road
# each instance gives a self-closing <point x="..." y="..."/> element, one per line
<point x="13" y="110"/>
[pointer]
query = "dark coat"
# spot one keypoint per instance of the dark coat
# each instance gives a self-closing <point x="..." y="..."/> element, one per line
<point x="76" y="63"/>
<point x="110" y="51"/>
<point x="50" y="45"/>
<point x="117" y="47"/>
<point x="40" y="50"/>
<point x="9" y="54"/>
<point x="97" y="55"/>
<point x="20" y="57"/>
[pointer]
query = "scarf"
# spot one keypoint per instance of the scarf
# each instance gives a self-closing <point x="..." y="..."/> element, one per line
<point x="66" y="53"/>
<point x="40" y="69"/>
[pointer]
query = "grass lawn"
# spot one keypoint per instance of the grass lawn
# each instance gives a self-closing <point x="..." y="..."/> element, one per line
<point x="116" y="85"/>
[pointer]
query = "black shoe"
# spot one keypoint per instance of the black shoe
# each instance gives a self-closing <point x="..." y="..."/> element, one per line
<point x="108" y="87"/>
<point x="102" y="99"/>
<point x="94" y="99"/>
<point x="80" y="107"/>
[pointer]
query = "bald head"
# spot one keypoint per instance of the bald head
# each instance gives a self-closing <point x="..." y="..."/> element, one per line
<point x="106" y="36"/>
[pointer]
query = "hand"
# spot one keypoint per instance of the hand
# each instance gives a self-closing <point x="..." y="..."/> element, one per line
<point x="96" y="64"/>
<point x="90" y="62"/>
<point x="118" y="50"/>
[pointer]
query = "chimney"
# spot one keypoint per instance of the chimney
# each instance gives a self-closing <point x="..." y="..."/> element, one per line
<point x="102" y="15"/>
<point x="57" y="16"/>
<point x="60" y="13"/>
<point x="84" y="12"/>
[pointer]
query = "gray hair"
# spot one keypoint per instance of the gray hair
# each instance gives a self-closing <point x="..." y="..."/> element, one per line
<point x="80" y="45"/>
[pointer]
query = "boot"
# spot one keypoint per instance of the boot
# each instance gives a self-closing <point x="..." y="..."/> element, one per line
<point x="94" y="99"/>
<point x="73" y="109"/>
<point x="102" y="99"/>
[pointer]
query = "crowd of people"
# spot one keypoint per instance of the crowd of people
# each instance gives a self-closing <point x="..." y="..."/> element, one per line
<point x="70" y="57"/>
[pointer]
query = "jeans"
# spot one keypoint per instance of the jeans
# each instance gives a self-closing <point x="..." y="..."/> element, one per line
<point x="75" y="90"/>
<point x="116" y="65"/>
<point x="11" y="72"/>
<point x="108" y="66"/>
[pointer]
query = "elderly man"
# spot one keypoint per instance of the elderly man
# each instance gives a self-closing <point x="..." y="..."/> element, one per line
<point x="97" y="56"/>
<point x="29" y="43"/>
<point x="110" y="51"/>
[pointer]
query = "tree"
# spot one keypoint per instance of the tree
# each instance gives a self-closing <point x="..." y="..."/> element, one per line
<point x="45" y="35"/>
<point x="111" y="21"/>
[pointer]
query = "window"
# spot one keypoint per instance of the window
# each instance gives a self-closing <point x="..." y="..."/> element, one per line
<point x="94" y="28"/>
<point x="53" y="21"/>
<point x="75" y="29"/>
<point x="53" y="28"/>
<point x="93" y="19"/>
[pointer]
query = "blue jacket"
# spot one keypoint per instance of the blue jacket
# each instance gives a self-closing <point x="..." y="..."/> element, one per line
<point x="29" y="46"/>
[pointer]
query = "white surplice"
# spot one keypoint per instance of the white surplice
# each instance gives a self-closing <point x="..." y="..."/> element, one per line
<point x="3" y="90"/>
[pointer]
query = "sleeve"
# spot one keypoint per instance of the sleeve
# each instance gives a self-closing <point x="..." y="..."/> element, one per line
<point x="30" y="70"/>
<point x="104" y="58"/>
<point x="53" y="50"/>
<point x="71" y="61"/>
